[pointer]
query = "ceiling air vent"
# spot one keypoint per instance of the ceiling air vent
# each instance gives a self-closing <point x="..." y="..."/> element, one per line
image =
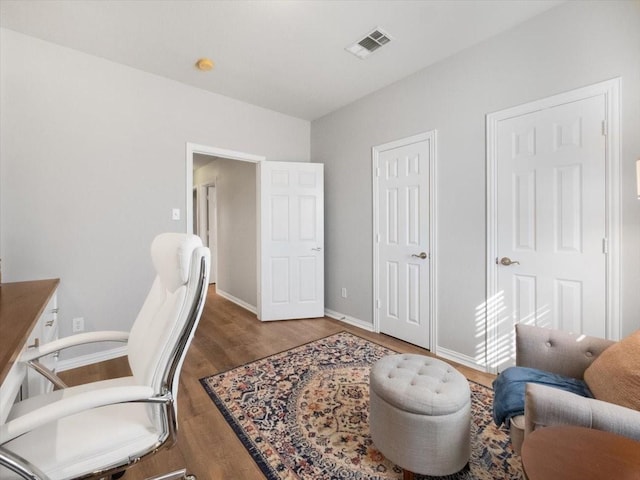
<point x="370" y="43"/>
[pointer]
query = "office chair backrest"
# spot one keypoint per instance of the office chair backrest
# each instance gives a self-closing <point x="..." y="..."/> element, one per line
<point x="167" y="320"/>
<point x="74" y="445"/>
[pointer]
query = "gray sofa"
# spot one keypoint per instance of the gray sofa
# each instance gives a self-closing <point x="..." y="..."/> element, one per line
<point x="566" y="354"/>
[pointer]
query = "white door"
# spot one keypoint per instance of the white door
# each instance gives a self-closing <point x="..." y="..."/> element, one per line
<point x="291" y="240"/>
<point x="403" y="239"/>
<point x="551" y="219"/>
<point x="212" y="231"/>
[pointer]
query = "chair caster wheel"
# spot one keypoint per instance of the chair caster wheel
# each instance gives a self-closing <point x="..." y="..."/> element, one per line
<point x="190" y="477"/>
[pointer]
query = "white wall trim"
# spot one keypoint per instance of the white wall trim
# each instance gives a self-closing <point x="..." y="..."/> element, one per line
<point x="191" y="149"/>
<point x="375" y="153"/>
<point x="90" y="358"/>
<point x="611" y="90"/>
<point x="237" y="301"/>
<point x="460" y="358"/>
<point x="356" y="322"/>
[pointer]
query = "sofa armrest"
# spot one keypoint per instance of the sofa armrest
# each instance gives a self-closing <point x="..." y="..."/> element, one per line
<point x="557" y="351"/>
<point x="546" y="406"/>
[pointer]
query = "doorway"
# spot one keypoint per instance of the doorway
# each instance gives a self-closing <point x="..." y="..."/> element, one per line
<point x="553" y="218"/>
<point x="212" y="229"/>
<point x="237" y="280"/>
<point x="205" y="218"/>
<point x="275" y="234"/>
<point x="404" y="239"/>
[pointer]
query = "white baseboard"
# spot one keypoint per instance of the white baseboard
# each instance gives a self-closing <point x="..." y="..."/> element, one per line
<point x="237" y="301"/>
<point x="460" y="358"/>
<point x="356" y="322"/>
<point x="83" y="360"/>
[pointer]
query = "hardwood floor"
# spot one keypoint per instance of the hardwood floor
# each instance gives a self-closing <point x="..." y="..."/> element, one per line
<point x="228" y="336"/>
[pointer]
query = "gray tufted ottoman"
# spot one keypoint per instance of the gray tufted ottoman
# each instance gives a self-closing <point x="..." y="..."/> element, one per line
<point x="420" y="416"/>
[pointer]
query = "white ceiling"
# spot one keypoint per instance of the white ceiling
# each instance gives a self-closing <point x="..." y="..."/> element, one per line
<point x="287" y="56"/>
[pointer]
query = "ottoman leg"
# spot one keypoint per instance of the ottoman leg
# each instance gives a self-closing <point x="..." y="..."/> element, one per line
<point x="407" y="475"/>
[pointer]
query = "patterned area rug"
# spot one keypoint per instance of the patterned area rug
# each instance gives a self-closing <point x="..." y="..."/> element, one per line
<point x="303" y="414"/>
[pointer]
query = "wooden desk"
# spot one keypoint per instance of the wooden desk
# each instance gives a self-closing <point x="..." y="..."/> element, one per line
<point x="22" y="304"/>
<point x="577" y="453"/>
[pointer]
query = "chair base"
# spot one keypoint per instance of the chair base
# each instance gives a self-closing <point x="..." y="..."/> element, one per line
<point x="177" y="475"/>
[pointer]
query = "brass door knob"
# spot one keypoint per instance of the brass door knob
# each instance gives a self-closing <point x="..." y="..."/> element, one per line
<point x="507" y="261"/>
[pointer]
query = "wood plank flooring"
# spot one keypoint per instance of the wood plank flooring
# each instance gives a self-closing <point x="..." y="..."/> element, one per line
<point x="228" y="336"/>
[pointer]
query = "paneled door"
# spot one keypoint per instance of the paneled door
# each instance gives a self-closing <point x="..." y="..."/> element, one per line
<point x="403" y="245"/>
<point x="291" y="240"/>
<point x="551" y="219"/>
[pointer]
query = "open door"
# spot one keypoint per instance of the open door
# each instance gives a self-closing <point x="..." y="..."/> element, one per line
<point x="290" y="240"/>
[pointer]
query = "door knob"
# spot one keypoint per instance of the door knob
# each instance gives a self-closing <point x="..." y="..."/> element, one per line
<point x="421" y="255"/>
<point x="507" y="261"/>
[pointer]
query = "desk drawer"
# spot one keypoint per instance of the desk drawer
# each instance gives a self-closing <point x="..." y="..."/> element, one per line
<point x="10" y="391"/>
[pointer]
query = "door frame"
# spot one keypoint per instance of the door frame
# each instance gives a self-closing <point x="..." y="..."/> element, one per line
<point x="375" y="154"/>
<point x="212" y="187"/>
<point x="199" y="214"/>
<point x="611" y="91"/>
<point x="202" y="221"/>
<point x="191" y="149"/>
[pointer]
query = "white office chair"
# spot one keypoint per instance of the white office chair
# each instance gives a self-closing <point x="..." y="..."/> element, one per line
<point x="100" y="429"/>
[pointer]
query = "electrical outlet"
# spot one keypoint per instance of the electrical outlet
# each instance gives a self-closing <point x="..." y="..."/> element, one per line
<point x="78" y="324"/>
<point x="175" y="214"/>
<point x="344" y="292"/>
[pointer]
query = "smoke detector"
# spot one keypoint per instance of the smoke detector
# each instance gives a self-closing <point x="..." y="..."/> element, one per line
<point x="370" y="43"/>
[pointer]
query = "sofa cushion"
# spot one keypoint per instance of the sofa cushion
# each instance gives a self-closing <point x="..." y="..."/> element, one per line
<point x="614" y="376"/>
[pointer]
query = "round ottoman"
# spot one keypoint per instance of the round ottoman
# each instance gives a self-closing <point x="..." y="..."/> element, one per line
<point x="420" y="415"/>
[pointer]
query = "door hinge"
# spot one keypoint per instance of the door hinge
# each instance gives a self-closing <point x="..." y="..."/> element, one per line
<point x="605" y="245"/>
<point x="605" y="129"/>
<point x="377" y="238"/>
<point x="377" y="171"/>
<point x="378" y="303"/>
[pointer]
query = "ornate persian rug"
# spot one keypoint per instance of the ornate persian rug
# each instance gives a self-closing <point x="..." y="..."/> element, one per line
<point x="303" y="414"/>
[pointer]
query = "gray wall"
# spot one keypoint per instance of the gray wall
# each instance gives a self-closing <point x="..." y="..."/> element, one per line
<point x="236" y="200"/>
<point x="573" y="45"/>
<point x="93" y="160"/>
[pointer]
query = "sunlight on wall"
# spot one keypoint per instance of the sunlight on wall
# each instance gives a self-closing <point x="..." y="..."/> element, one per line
<point x="488" y="349"/>
<point x="495" y="332"/>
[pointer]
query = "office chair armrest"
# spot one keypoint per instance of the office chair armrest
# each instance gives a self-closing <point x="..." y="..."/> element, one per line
<point x="72" y="405"/>
<point x="72" y="341"/>
<point x="546" y="406"/>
